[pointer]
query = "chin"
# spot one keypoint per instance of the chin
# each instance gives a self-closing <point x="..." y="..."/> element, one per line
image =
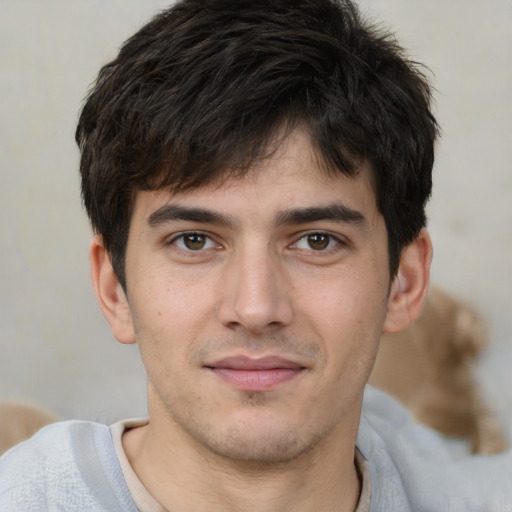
<point x="260" y="440"/>
<point x="260" y="449"/>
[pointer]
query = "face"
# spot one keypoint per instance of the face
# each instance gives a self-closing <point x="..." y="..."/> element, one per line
<point x="258" y="305"/>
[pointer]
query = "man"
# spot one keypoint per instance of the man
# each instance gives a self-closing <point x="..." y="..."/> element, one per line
<point x="256" y="174"/>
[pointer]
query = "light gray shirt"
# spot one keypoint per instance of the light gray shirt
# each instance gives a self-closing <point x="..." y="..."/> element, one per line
<point x="73" y="466"/>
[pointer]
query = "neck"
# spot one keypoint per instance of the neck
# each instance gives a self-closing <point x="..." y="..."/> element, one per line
<point x="182" y="478"/>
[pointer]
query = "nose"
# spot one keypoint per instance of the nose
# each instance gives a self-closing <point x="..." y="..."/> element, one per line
<point x="255" y="293"/>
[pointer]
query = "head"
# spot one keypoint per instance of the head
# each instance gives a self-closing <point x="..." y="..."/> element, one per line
<point x="210" y="87"/>
<point x="256" y="172"/>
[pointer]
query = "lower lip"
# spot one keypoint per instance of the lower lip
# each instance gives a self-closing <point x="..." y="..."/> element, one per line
<point x="257" y="380"/>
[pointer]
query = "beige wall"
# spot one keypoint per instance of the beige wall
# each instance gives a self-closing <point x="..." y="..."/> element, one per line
<point x="54" y="345"/>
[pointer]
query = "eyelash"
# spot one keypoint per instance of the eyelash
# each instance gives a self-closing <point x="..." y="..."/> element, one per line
<point x="334" y="243"/>
<point x="182" y="236"/>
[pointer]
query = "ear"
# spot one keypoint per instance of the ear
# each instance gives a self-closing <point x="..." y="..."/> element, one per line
<point x="109" y="292"/>
<point x="410" y="285"/>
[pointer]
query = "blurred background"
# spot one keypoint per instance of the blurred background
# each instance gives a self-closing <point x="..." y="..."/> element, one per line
<point x="55" y="347"/>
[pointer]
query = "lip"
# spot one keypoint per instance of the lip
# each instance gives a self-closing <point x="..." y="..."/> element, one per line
<point x="256" y="374"/>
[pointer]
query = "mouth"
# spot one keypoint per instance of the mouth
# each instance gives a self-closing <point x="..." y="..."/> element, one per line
<point x="256" y="374"/>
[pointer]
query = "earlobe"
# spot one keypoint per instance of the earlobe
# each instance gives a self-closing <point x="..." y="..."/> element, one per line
<point x="109" y="292"/>
<point x="410" y="285"/>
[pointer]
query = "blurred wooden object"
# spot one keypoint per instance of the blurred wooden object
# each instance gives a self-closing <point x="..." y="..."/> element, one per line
<point x="19" y="421"/>
<point x="429" y="367"/>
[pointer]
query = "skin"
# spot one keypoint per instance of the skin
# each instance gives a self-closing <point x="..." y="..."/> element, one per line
<point x="288" y="263"/>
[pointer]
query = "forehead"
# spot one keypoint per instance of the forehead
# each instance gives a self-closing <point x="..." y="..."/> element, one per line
<point x="293" y="175"/>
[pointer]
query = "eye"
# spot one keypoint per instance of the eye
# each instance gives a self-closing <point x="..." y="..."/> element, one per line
<point x="193" y="242"/>
<point x="317" y="242"/>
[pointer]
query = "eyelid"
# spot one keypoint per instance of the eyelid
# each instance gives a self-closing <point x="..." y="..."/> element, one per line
<point x="177" y="236"/>
<point x="339" y="240"/>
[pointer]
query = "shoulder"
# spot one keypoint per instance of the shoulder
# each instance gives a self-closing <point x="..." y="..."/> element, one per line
<point x="387" y="425"/>
<point x="64" y="442"/>
<point x="397" y="449"/>
<point x="411" y="468"/>
<point x="67" y="466"/>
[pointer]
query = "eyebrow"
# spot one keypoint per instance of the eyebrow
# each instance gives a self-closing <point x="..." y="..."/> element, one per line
<point x="334" y="212"/>
<point x="172" y="212"/>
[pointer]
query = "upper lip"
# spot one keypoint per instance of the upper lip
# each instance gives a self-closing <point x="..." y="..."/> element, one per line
<point x="255" y="363"/>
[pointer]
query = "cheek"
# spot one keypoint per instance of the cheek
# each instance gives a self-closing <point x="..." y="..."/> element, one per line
<point x="169" y="313"/>
<point x="350" y="297"/>
<point x="348" y="315"/>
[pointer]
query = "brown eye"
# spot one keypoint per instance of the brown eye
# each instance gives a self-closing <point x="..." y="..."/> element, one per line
<point x="194" y="241"/>
<point x="318" y="241"/>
